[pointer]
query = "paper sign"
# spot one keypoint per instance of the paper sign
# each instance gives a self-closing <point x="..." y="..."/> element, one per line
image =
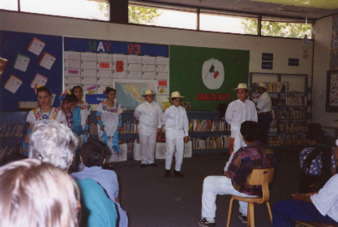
<point x="119" y="66"/>
<point x="13" y="83"/>
<point x="47" y="60"/>
<point x="36" y="46"/>
<point x="3" y="63"/>
<point x="104" y="65"/>
<point x="39" y="80"/>
<point x="91" y="88"/>
<point x="21" y="62"/>
<point x="162" y="83"/>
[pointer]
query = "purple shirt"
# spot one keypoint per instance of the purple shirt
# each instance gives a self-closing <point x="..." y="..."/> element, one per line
<point x="255" y="156"/>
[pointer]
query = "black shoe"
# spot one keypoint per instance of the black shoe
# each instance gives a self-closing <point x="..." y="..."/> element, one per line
<point x="152" y="164"/>
<point x="143" y="165"/>
<point x="178" y="173"/>
<point x="167" y="173"/>
<point x="204" y="223"/>
<point x="243" y="218"/>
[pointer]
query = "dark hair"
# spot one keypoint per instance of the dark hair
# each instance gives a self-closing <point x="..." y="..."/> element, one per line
<point x="94" y="152"/>
<point x="251" y="131"/>
<point x="108" y="89"/>
<point x="70" y="98"/>
<point x="314" y="132"/>
<point x="75" y="87"/>
<point x="43" y="88"/>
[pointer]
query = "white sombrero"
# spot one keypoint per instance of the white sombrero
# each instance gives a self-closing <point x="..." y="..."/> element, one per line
<point x="148" y="92"/>
<point x="175" y="94"/>
<point x="262" y="85"/>
<point x="242" y="86"/>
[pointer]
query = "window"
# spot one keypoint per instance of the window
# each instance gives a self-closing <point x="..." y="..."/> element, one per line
<point x="283" y="27"/>
<point x="159" y="16"/>
<point x="9" y="5"/>
<point x="86" y="9"/>
<point x="227" y="23"/>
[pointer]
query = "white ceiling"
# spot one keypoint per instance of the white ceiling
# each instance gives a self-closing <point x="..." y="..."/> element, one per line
<point x="247" y="6"/>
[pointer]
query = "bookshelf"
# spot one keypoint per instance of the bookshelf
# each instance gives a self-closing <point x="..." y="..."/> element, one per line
<point x="208" y="132"/>
<point x="290" y="106"/>
<point x="12" y="132"/>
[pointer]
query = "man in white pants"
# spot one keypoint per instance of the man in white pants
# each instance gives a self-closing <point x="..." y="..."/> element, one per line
<point x="149" y="115"/>
<point x="235" y="180"/>
<point x="238" y="111"/>
<point x="176" y="133"/>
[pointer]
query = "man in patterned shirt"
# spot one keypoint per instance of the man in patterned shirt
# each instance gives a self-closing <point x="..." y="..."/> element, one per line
<point x="235" y="182"/>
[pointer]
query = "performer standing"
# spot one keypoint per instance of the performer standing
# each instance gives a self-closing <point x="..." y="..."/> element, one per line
<point x="149" y="116"/>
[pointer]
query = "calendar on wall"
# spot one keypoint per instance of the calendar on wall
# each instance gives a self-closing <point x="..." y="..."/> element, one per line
<point x="130" y="68"/>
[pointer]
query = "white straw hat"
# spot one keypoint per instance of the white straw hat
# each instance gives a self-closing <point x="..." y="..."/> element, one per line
<point x="148" y="92"/>
<point x="242" y="86"/>
<point x="175" y="94"/>
<point x="262" y="85"/>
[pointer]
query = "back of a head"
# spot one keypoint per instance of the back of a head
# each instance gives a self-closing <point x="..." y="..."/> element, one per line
<point x="33" y="193"/>
<point x="54" y="143"/>
<point x="94" y="152"/>
<point x="251" y="131"/>
<point x="314" y="132"/>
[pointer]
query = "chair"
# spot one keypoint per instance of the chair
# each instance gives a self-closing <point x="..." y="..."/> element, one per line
<point x="258" y="177"/>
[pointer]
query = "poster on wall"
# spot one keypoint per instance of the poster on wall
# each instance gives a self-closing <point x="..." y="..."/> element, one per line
<point x="332" y="91"/>
<point x="129" y="67"/>
<point x="207" y="76"/>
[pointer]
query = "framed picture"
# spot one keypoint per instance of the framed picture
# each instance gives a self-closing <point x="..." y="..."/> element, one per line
<point x="332" y="91"/>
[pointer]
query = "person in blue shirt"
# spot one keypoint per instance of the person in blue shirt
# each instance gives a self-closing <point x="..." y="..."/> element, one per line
<point x="93" y="155"/>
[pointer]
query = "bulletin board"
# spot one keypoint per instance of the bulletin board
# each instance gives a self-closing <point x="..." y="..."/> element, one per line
<point x="26" y="60"/>
<point x="207" y="76"/>
<point x="128" y="67"/>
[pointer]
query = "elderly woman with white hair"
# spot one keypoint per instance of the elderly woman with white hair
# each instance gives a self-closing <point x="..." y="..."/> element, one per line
<point x="33" y="193"/>
<point x="55" y="143"/>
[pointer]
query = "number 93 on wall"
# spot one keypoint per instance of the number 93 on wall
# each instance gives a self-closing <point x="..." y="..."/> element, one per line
<point x="134" y="48"/>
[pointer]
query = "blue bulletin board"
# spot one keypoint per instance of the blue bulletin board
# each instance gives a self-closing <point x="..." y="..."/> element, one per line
<point x="31" y="59"/>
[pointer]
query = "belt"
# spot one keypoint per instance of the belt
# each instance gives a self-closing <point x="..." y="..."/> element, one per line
<point x="268" y="112"/>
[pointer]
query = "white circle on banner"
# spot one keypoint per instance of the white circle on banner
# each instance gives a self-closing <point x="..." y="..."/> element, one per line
<point x="213" y="73"/>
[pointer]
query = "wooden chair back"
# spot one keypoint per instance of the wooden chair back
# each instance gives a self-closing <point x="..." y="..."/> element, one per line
<point x="262" y="177"/>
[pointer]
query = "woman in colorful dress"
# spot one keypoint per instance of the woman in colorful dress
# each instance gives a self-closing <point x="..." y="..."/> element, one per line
<point x="68" y="103"/>
<point x="80" y="116"/>
<point x="109" y="120"/>
<point x="43" y="113"/>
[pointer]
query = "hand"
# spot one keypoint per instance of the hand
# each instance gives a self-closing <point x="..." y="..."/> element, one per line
<point x="298" y="196"/>
<point x="102" y="128"/>
<point x="186" y="139"/>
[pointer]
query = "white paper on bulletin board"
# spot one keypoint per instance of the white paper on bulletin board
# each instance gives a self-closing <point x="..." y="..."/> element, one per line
<point x="39" y="80"/>
<point x="13" y="83"/>
<point x="47" y="60"/>
<point x="36" y="46"/>
<point x="21" y="62"/>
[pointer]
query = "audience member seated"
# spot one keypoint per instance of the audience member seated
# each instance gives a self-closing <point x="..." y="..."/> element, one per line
<point x="55" y="143"/>
<point x="310" y="207"/>
<point x="317" y="161"/>
<point x="33" y="193"/>
<point x="93" y="155"/>
<point x="235" y="182"/>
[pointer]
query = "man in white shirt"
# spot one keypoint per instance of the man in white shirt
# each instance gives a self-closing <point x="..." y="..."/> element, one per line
<point x="176" y="133"/>
<point x="149" y="115"/>
<point x="263" y="105"/>
<point x="320" y="207"/>
<point x="238" y="111"/>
